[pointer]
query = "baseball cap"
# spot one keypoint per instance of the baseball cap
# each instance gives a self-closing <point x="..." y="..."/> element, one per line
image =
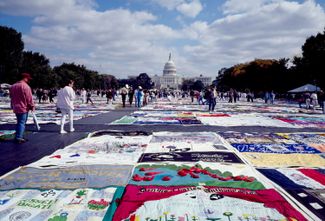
<point x="26" y="75"/>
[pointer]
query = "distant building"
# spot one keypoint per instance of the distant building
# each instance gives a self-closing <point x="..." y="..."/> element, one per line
<point x="170" y="79"/>
<point x="207" y="81"/>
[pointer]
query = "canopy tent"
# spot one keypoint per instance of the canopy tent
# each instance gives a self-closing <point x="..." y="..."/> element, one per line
<point x="305" y="88"/>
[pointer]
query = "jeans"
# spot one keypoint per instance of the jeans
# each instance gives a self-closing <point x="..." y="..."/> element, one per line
<point x="139" y="102"/>
<point x="20" y="127"/>
<point x="212" y="104"/>
<point x="123" y="99"/>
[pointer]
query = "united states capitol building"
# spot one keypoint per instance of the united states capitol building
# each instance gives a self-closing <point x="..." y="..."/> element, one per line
<point x="171" y="80"/>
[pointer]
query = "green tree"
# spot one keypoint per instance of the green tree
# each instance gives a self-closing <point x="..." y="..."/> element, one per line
<point x="130" y="81"/>
<point x="11" y="48"/>
<point x="39" y="67"/>
<point x="257" y="75"/>
<point x="108" y="82"/>
<point x="311" y="64"/>
<point x="83" y="77"/>
<point x="144" y="81"/>
<point x="198" y="85"/>
<point x="187" y="85"/>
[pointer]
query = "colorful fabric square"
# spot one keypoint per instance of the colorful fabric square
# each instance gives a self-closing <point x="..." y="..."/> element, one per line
<point x="203" y="203"/>
<point x="304" y="121"/>
<point x="106" y="149"/>
<point x="243" y="120"/>
<point x="53" y="205"/>
<point x="275" y="148"/>
<point x="239" y="176"/>
<point x="284" y="160"/>
<point x="125" y="120"/>
<point x="255" y="138"/>
<point x="218" y="157"/>
<point x="7" y="134"/>
<point x="83" y="176"/>
<point x="305" y="185"/>
<point x="182" y="142"/>
<point x="315" y="140"/>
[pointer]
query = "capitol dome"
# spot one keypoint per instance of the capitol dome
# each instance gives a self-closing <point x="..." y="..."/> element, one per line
<point x="170" y="67"/>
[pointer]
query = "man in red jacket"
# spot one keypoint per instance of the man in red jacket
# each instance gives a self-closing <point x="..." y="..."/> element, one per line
<point x="21" y="103"/>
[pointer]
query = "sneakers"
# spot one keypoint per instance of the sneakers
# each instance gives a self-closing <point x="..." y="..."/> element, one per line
<point x="20" y="140"/>
<point x="64" y="132"/>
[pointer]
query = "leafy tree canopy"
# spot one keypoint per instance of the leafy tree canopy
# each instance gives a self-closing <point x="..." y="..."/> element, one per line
<point x="11" y="48"/>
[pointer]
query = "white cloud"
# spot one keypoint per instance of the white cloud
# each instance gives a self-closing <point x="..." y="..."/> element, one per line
<point x="115" y="41"/>
<point x="274" y="29"/>
<point x="169" y="4"/>
<point x="189" y="8"/>
<point x="124" y="42"/>
<point x="48" y="7"/>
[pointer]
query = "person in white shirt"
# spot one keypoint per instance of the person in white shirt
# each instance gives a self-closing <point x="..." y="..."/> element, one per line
<point x="83" y="95"/>
<point x="314" y="100"/>
<point x="65" y="100"/>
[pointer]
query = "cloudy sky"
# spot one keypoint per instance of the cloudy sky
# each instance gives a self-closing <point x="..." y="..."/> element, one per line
<point x="128" y="37"/>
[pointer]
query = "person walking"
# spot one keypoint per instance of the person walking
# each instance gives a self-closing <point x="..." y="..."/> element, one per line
<point x="209" y="98"/>
<point x="89" y="97"/>
<point x="131" y="95"/>
<point x="321" y="100"/>
<point x="231" y="95"/>
<point x="124" y="92"/>
<point x="314" y="100"/>
<point x="139" y="97"/>
<point x="109" y="96"/>
<point x="65" y="100"/>
<point x="39" y="94"/>
<point x="21" y="103"/>
<point x="192" y="95"/>
<point x="307" y="100"/>
<point x="272" y="97"/>
<point x="83" y="95"/>
<point x="52" y="94"/>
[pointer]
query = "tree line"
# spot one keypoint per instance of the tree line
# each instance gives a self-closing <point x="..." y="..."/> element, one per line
<point x="279" y="75"/>
<point x="14" y="61"/>
<point x="257" y="75"/>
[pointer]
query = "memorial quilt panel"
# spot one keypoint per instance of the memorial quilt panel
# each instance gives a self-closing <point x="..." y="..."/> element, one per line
<point x="83" y="176"/>
<point x="305" y="185"/>
<point x="203" y="203"/>
<point x="194" y="174"/>
<point x="79" y="204"/>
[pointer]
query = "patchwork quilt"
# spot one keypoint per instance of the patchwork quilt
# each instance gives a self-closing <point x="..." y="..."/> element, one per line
<point x="315" y="140"/>
<point x="243" y="120"/>
<point x="106" y="149"/>
<point x="7" y="134"/>
<point x="305" y="185"/>
<point x="74" y="177"/>
<point x="203" y="203"/>
<point x="304" y="121"/>
<point x="267" y="149"/>
<point x="182" y="142"/>
<point x="195" y="174"/>
<point x="207" y="156"/>
<point x="159" y="117"/>
<point x="54" y="205"/>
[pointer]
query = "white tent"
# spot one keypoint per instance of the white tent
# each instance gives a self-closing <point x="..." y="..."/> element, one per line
<point x="305" y="88"/>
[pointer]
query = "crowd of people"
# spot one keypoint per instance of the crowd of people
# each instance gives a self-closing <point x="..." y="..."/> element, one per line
<point x="311" y="100"/>
<point x="22" y="99"/>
